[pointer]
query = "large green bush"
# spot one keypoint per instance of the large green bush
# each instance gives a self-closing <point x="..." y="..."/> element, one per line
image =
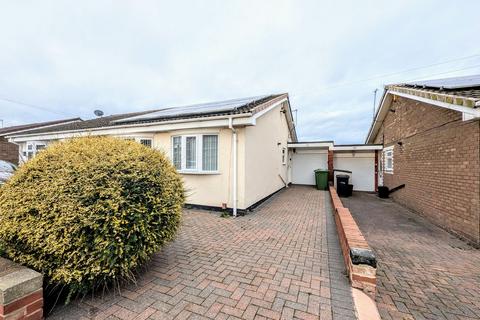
<point x="89" y="211"/>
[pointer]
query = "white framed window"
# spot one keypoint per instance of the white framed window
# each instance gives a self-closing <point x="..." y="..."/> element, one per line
<point x="32" y="149"/>
<point x="388" y="159"/>
<point x="195" y="153"/>
<point x="210" y="152"/>
<point x="177" y="152"/>
<point x="147" y="142"/>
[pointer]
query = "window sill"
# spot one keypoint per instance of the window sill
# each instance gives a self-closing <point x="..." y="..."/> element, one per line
<point x="198" y="172"/>
<point x="388" y="172"/>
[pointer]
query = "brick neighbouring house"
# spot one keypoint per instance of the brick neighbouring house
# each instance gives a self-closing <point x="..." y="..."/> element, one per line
<point x="430" y="133"/>
<point x="10" y="151"/>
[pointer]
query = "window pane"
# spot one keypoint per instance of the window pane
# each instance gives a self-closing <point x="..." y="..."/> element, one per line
<point x="146" y="142"/>
<point x="177" y="152"/>
<point x="191" y="152"/>
<point x="40" y="147"/>
<point x="209" y="153"/>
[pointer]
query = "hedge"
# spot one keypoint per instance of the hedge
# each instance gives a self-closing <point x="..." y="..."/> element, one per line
<point x="89" y="211"/>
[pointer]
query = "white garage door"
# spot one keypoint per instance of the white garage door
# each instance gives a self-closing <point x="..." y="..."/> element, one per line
<point x="304" y="163"/>
<point x="362" y="166"/>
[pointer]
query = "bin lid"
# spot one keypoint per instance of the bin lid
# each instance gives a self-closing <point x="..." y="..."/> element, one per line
<point x="343" y="176"/>
<point x="321" y="170"/>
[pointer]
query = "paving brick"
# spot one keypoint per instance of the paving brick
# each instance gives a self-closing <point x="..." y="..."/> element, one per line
<point x="423" y="271"/>
<point x="280" y="259"/>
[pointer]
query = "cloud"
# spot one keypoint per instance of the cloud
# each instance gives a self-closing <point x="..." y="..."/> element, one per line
<point x="125" y="56"/>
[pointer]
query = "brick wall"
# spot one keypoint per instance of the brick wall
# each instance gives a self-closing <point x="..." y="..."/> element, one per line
<point x="359" y="258"/>
<point x="8" y="151"/>
<point x="438" y="161"/>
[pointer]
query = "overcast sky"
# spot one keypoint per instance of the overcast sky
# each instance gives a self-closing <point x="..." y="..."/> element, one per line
<point x="67" y="58"/>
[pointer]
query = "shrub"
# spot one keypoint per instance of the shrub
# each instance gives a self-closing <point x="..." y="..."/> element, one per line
<point x="88" y="211"/>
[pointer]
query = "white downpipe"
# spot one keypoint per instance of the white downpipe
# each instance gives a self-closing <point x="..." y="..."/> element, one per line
<point x="234" y="183"/>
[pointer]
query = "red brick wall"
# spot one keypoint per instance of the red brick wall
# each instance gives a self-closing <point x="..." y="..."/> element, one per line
<point x="362" y="276"/>
<point x="8" y="151"/>
<point x="438" y="162"/>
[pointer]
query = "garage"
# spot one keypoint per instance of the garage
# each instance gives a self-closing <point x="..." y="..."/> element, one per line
<point x="307" y="157"/>
<point x="358" y="160"/>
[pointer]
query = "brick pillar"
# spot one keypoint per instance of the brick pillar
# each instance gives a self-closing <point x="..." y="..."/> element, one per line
<point x="21" y="294"/>
<point x="330" y="165"/>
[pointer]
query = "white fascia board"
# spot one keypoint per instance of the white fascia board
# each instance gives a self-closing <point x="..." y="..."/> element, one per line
<point x="273" y="106"/>
<point x="470" y="111"/>
<point x="264" y="111"/>
<point x="386" y="99"/>
<point x="328" y="145"/>
<point x="238" y="120"/>
<point x="357" y="148"/>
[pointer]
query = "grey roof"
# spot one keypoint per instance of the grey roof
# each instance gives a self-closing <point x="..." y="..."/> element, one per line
<point x="229" y="107"/>
<point x="30" y="126"/>
<point x="86" y="124"/>
<point x="466" y="87"/>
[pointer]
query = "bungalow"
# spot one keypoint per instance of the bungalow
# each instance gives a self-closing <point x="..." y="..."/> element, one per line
<point x="231" y="154"/>
<point x="430" y="134"/>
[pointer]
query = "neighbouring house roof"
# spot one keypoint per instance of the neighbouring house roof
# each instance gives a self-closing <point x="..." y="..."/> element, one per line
<point x="32" y="126"/>
<point x="203" y="111"/>
<point x="463" y="91"/>
<point x="459" y="93"/>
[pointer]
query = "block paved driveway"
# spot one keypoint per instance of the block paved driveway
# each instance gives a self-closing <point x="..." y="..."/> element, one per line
<point x="282" y="261"/>
<point x="423" y="271"/>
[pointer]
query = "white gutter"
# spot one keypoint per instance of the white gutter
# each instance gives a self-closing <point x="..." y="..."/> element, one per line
<point x="234" y="183"/>
<point x="238" y="120"/>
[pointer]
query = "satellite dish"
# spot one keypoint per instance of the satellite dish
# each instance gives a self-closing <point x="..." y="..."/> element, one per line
<point x="98" y="113"/>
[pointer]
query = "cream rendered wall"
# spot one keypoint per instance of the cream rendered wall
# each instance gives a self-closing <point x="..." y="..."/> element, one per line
<point x="263" y="156"/>
<point x="208" y="189"/>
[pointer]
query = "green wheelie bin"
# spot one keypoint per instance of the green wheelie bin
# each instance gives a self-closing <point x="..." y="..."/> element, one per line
<point x="321" y="179"/>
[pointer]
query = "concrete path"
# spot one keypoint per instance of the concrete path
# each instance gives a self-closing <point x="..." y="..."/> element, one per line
<point x="423" y="271"/>
<point x="281" y="262"/>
